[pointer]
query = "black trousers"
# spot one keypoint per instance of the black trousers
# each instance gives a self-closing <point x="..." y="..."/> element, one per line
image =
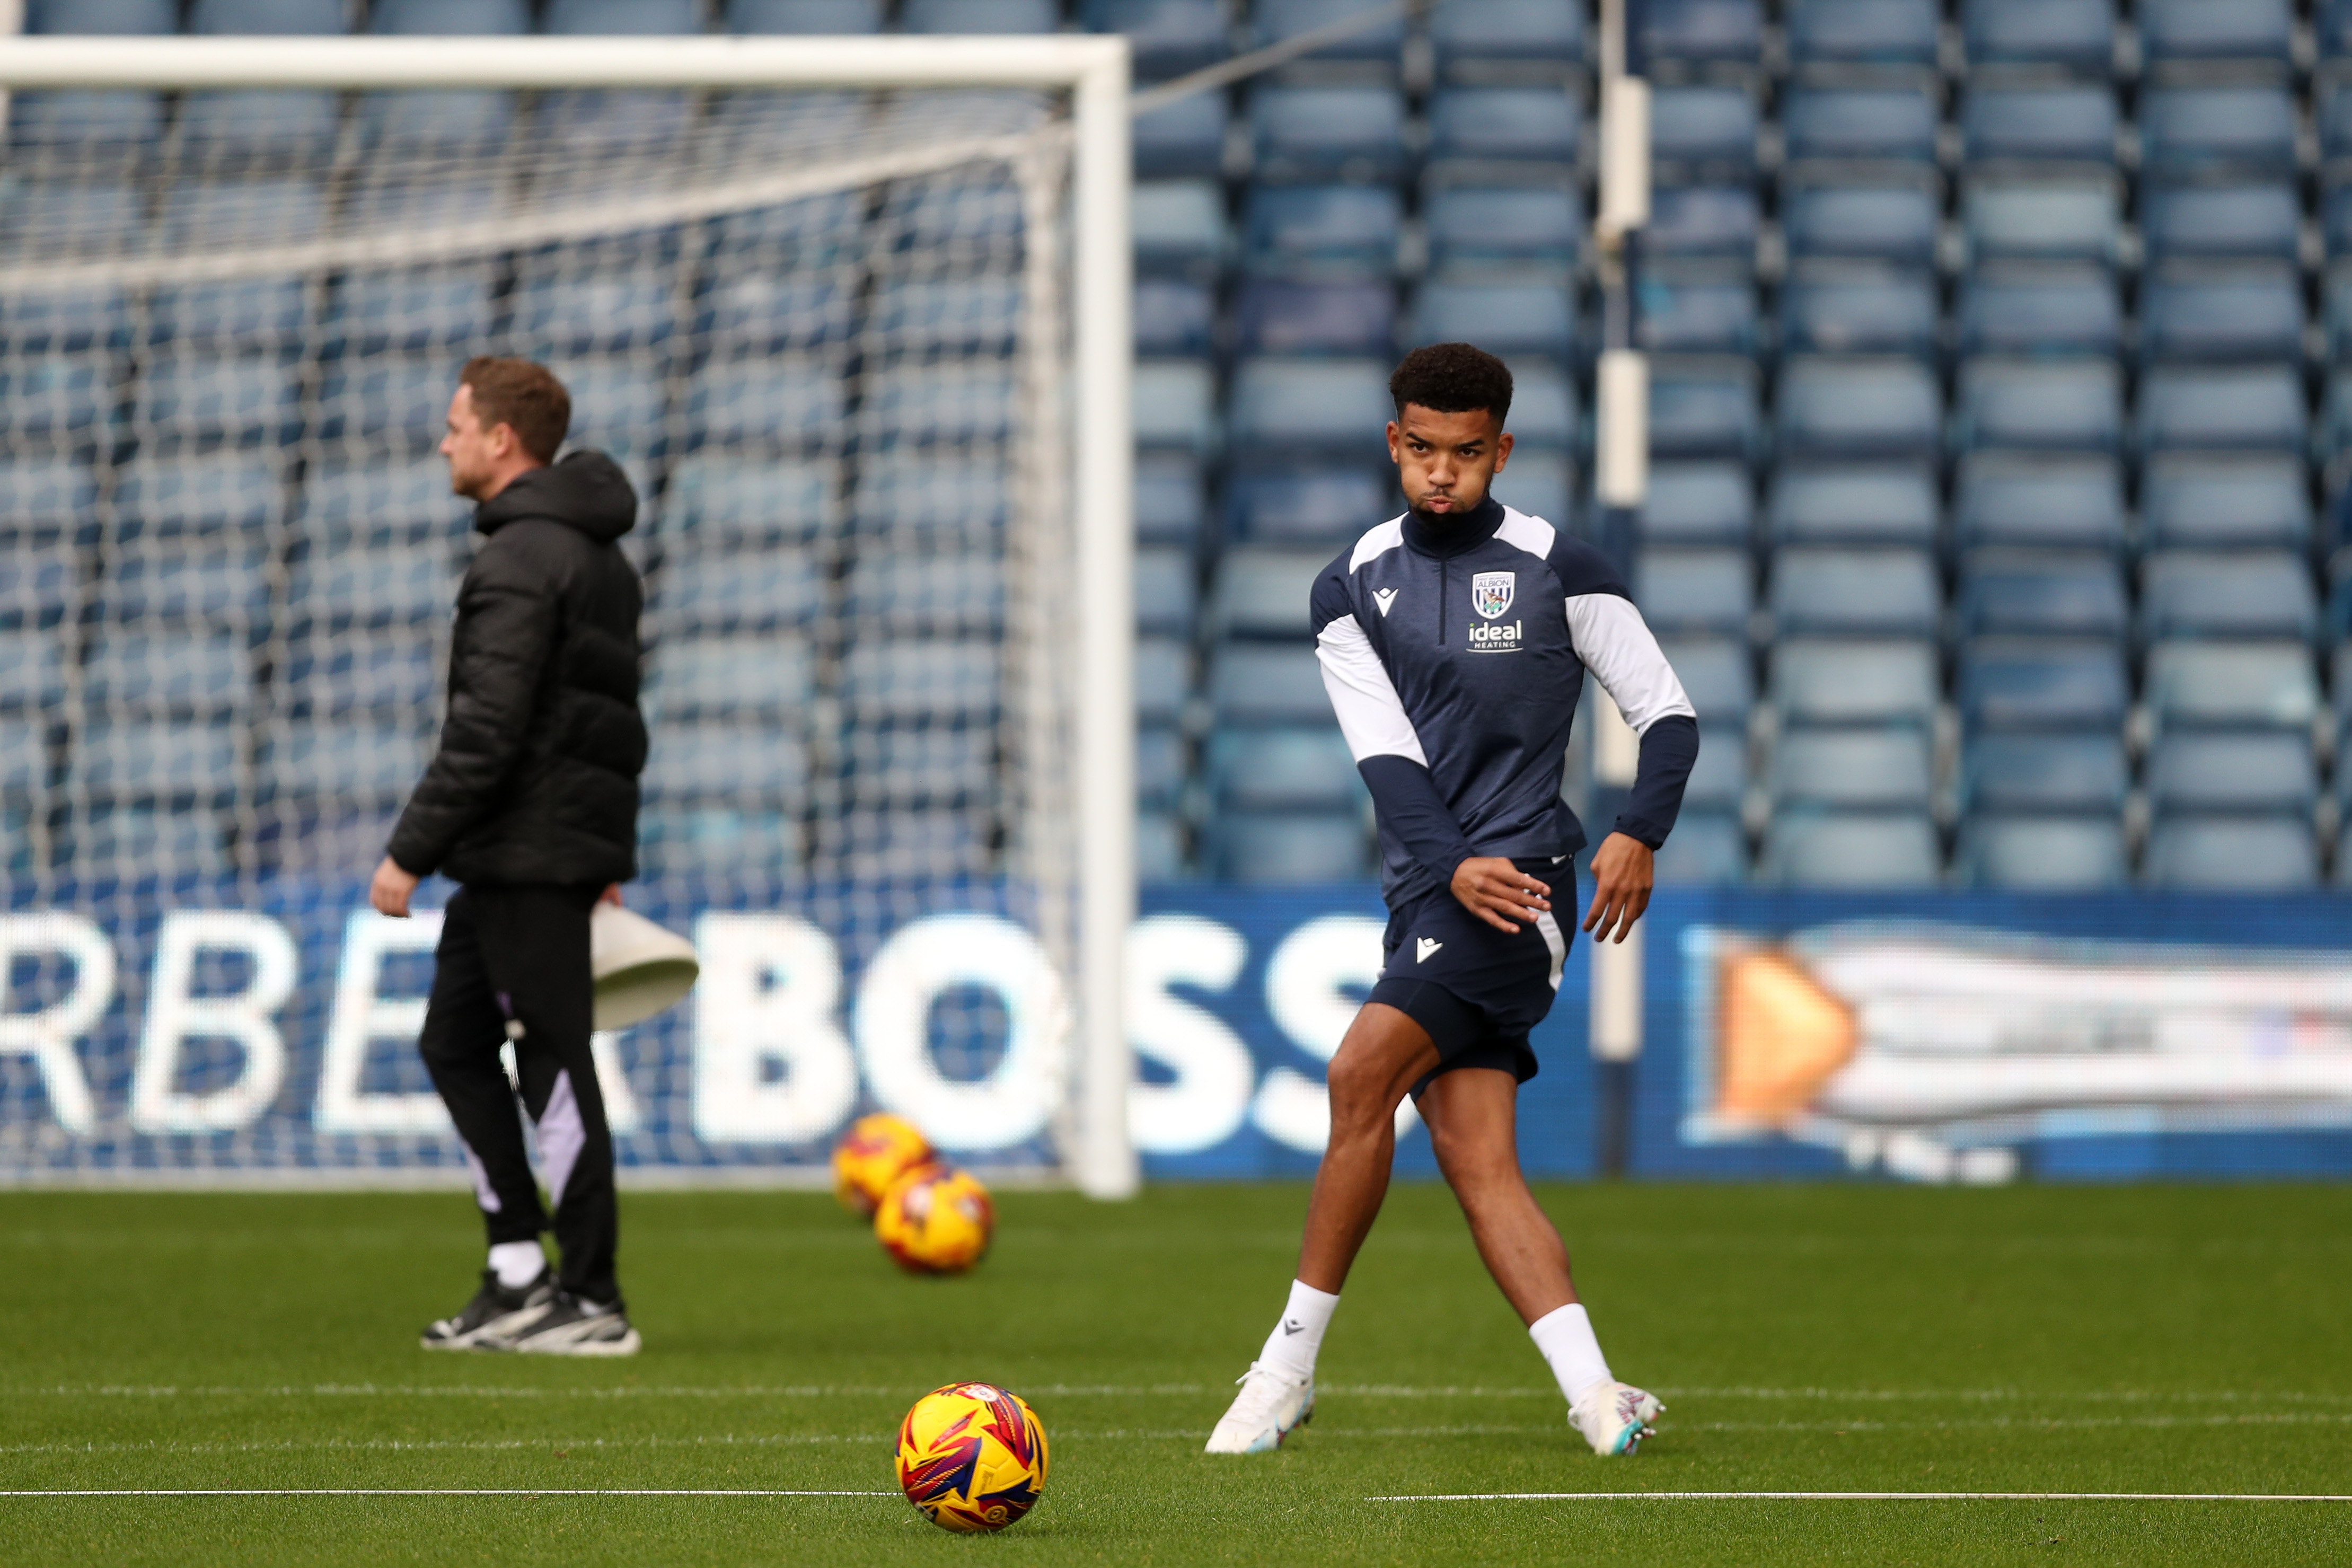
<point x="513" y="965"/>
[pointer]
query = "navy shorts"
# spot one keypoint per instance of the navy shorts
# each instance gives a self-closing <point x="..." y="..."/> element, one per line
<point x="1476" y="989"/>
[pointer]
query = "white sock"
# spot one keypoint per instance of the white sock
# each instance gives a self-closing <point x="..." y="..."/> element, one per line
<point x="516" y="1263"/>
<point x="1565" y="1337"/>
<point x="1299" y="1335"/>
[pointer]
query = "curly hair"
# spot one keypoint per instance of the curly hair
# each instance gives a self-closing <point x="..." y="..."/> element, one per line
<point x="1453" y="378"/>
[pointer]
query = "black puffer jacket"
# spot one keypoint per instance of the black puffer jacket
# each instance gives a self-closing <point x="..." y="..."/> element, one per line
<point x="536" y="780"/>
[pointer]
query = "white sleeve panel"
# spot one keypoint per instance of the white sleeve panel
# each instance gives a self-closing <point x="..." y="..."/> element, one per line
<point x="1371" y="713"/>
<point x="1617" y="646"/>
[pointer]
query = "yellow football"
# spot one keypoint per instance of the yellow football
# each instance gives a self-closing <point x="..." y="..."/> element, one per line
<point x="972" y="1457"/>
<point x="935" y="1219"/>
<point x="876" y="1151"/>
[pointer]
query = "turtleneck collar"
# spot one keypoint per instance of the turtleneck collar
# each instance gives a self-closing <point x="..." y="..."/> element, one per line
<point x="1456" y="535"/>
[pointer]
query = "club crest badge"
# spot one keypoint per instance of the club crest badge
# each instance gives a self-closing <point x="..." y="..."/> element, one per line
<point x="1490" y="593"/>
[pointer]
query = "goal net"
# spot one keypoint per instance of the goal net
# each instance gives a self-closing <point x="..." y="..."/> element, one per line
<point x="825" y="303"/>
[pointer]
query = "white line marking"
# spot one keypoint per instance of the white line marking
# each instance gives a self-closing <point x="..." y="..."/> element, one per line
<point x="433" y="1491"/>
<point x="1874" y="1496"/>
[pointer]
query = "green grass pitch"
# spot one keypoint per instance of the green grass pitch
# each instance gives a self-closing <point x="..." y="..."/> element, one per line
<point x="1805" y="1337"/>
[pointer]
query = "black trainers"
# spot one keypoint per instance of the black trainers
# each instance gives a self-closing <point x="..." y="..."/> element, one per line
<point x="571" y="1326"/>
<point x="494" y="1312"/>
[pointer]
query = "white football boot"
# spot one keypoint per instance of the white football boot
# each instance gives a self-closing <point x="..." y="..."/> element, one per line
<point x="1615" y="1416"/>
<point x="1264" y="1412"/>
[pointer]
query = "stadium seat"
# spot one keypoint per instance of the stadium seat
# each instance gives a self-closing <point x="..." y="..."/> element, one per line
<point x="738" y="591"/>
<point x="1705" y="307"/>
<point x="67" y="318"/>
<point x="386" y="672"/>
<point x="718" y="843"/>
<point x="2200" y="30"/>
<point x="157" y="675"/>
<point x="85" y="121"/>
<point x="982" y="16"/>
<point x="2041" y="593"/>
<point x="1277" y="21"/>
<point x="804" y="234"/>
<point x="137" y="845"/>
<point x="1171" y="498"/>
<point x="1506" y="124"/>
<point x="1844" y="123"/>
<point x="599" y="123"/>
<point x="104" y="213"/>
<point x="892" y="592"/>
<point x="40" y="583"/>
<point x="2225" y="218"/>
<point x="1719" y="780"/>
<point x="410" y="311"/>
<point x="2234" y="311"/>
<point x="344" y="760"/>
<point x="2045" y="773"/>
<point x="757" y="764"/>
<point x="117" y="17"/>
<point x="1470" y="34"/>
<point x="386" y="398"/>
<point x="196" y="397"/>
<point x="623" y="16"/>
<point x="2331" y="20"/>
<point x="1276" y="316"/>
<point x="2022" y="683"/>
<point x="41" y="494"/>
<point x="1179" y="225"/>
<point x="262" y="125"/>
<point x="1850" y="682"/>
<point x="388" y="585"/>
<point x="782" y="401"/>
<point x="926" y="765"/>
<point x="740" y="313"/>
<point x="1307" y="133"/>
<point x="32" y="671"/>
<point x="2075" y="123"/>
<point x="1514" y="316"/>
<point x="154" y="759"/>
<point x="1698" y="30"/>
<point x="1263" y="683"/>
<point x="1703" y="220"/>
<point x="1183" y="139"/>
<point x="2227" y="772"/>
<point x="1488" y="223"/>
<point x="177" y="578"/>
<point x="2043" y="854"/>
<point x="1283" y="770"/>
<point x="1170" y="37"/>
<point x="817" y="18"/>
<point x="2046" y="216"/>
<point x="1706" y="847"/>
<point x="1163" y="679"/>
<point x="901" y="844"/>
<point x="1818" y="589"/>
<point x="2256" y="684"/>
<point x="2076" y="33"/>
<point x="910" y="679"/>
<point x="25" y="769"/>
<point x="2040" y="308"/>
<point x="1262" y="592"/>
<point x="729" y="498"/>
<point x="2261" y="594"/>
<point x="1299" y="405"/>
<point x="768" y="679"/>
<point x="1323" y="505"/>
<point x="1894" y="220"/>
<point x="267" y="16"/>
<point x="1704" y="408"/>
<point x="228" y="490"/>
<point x="1176" y="316"/>
<point x="1258" y="849"/>
<point x="1706" y="590"/>
<point x="243" y="212"/>
<point x="450" y="18"/>
<point x="2020" y="405"/>
<point x="1889" y="769"/>
<point x="2334" y="107"/>
<point x="1323" y="224"/>
<point x="2336" y="295"/>
<point x="1160" y="773"/>
<point x="1175" y="406"/>
<point x="2244" y="129"/>
<point x="2335" y="218"/>
<point x="1858" y="308"/>
<point x="1864" y="32"/>
<point x="1699" y="503"/>
<point x="1851" y="849"/>
<point x="2257" y="407"/>
<point x="1717" y="676"/>
<point x="559" y="312"/>
<point x="1703" y="124"/>
<point x="915" y="314"/>
<point x="346" y="503"/>
<point x="57" y="395"/>
<point x="1869" y="503"/>
<point x="1540" y="484"/>
<point x="2225" y="502"/>
<point x="2259" y="854"/>
<point x="1165" y="598"/>
<point x="1858" y="409"/>
<point x="922" y="499"/>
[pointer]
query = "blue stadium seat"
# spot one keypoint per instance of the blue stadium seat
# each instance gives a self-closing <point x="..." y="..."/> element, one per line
<point x="1703" y="124"/>
<point x="2020" y="405"/>
<point x="1186" y="138"/>
<point x="230" y="397"/>
<point x="137" y="844"/>
<point x="1706" y="847"/>
<point x="2077" y="123"/>
<point x="1306" y="134"/>
<point x="939" y="501"/>
<point x="1171" y="498"/>
<point x="1541" y="484"/>
<point x="2332" y="21"/>
<point x="409" y="311"/>
<point x="1475" y="33"/>
<point x="908" y="679"/>
<point x="1357" y="223"/>
<point x="1268" y="684"/>
<point x="45" y="494"/>
<point x="2257" y="854"/>
<point x="450" y="18"/>
<point x="169" y="674"/>
<point x="2225" y="502"/>
<point x="2044" y="854"/>
<point x="1163" y="679"/>
<point x="2336" y="294"/>
<point x="387" y="671"/>
<point x="1175" y="407"/>
<point x="865" y="846"/>
<point x="1283" y="770"/>
<point x="2041" y="593"/>
<point x="2229" y="310"/>
<point x="206" y="579"/>
<point x="612" y="123"/>
<point x="1858" y="409"/>
<point x="243" y="212"/>
<point x="763" y="312"/>
<point x="1717" y="676"/>
<point x="1838" y="680"/>
<point x="1837" y="123"/>
<point x="1261" y="848"/>
<point x="982" y="16"/>
<point x="1160" y="848"/>
<point x="1288" y="505"/>
<point x="250" y="313"/>
<point x="233" y="491"/>
<point x="2040" y="308"/>
<point x="2078" y="34"/>
<point x="727" y="497"/>
<point x="2227" y="218"/>
<point x="1165" y="596"/>
<point x="1887" y="219"/>
<point x="107" y="214"/>
<point x="32" y="671"/>
<point x="2257" y="407"/>
<point x="1299" y="405"/>
<point x="2045" y="773"/>
<point x="1704" y="408"/>
<point x="24" y="763"/>
<point x="348" y="501"/>
<point x="2012" y="498"/>
<point x="2243" y="593"/>
<point x="2336" y="437"/>
<point x="1510" y="124"/>
<point x="2271" y="771"/>
<point x="1694" y="308"/>
<point x="1885" y="768"/>
<point x="343" y="759"/>
<point x="1703" y="220"/>
<point x="905" y="592"/>
<point x="1862" y="503"/>
<point x="2256" y="684"/>
<point x="57" y="395"/>
<point x="1851" y="849"/>
<point x="808" y="233"/>
<point x="1731" y="30"/>
<point x="1819" y="590"/>
<point x="262" y="124"/>
<point x="1485" y="223"/>
<point x="2200" y="30"/>
<point x="2335" y="218"/>
<point x="715" y="761"/>
<point x="928" y="765"/>
<point x="1699" y="503"/>
<point x="2043" y="216"/>
<point x="738" y="591"/>
<point x="817" y="18"/>
<point x="154" y="759"/>
<point x="2240" y="129"/>
<point x="1514" y="315"/>
<point x="85" y="120"/>
<point x="624" y="17"/>
<point x="1858" y="308"/>
<point x="1277" y="316"/>
<point x="1719" y="780"/>
<point x="66" y="319"/>
<point x="912" y="314"/>
<point x="1262" y="592"/>
<point x="1864" y="32"/>
<point x="1179" y="225"/>
<point x="385" y="584"/>
<point x="267" y="17"/>
<point x="780" y="401"/>
<point x="720" y="843"/>
<point x="2019" y="683"/>
<point x="118" y="17"/>
<point x="1169" y="37"/>
<point x="1277" y="21"/>
<point x="1160" y="770"/>
<point x="1704" y="591"/>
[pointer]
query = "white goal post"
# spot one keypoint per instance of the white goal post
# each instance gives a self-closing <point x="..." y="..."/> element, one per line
<point x="1096" y="461"/>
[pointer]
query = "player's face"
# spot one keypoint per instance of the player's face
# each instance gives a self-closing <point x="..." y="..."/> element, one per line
<point x="1446" y="460"/>
<point x="472" y="451"/>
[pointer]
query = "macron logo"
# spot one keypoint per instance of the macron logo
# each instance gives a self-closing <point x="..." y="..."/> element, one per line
<point x="1422" y="947"/>
<point x="1290" y="1327"/>
<point x="1384" y="597"/>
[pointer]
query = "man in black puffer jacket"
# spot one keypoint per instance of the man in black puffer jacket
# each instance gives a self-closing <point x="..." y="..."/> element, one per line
<point x="530" y="805"/>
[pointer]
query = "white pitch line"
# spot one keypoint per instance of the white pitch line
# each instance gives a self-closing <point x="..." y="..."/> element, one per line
<point x="433" y="1492"/>
<point x="1872" y="1497"/>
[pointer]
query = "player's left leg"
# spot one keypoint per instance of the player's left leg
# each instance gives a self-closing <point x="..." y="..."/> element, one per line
<point x="1473" y="1117"/>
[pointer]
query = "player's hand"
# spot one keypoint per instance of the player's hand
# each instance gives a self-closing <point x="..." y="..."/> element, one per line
<point x="1624" y="870"/>
<point x="390" y="889"/>
<point x="1499" y="893"/>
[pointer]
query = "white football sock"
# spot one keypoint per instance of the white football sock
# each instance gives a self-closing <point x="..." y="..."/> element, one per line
<point x="1565" y="1337"/>
<point x="1299" y="1335"/>
<point x="516" y="1263"/>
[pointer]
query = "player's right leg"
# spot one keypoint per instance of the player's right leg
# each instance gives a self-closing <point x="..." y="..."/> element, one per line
<point x="1384" y="1053"/>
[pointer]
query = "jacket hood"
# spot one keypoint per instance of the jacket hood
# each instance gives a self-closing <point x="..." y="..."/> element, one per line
<point x="585" y="491"/>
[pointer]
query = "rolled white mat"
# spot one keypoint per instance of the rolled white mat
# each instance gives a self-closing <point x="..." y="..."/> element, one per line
<point x="640" y="968"/>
